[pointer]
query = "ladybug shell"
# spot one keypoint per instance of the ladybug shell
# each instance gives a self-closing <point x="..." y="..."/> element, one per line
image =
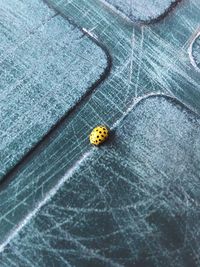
<point x="99" y="135"/>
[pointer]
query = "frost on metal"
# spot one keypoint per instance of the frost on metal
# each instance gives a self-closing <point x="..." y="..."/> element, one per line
<point x="134" y="202"/>
<point x="46" y="66"/>
<point x="142" y="10"/>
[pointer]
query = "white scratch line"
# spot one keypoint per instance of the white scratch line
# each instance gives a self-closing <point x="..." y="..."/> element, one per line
<point x="136" y="101"/>
<point x="131" y="60"/>
<point x="190" y="50"/>
<point x="140" y="62"/>
<point x="90" y="33"/>
<point x="115" y="10"/>
<point x="48" y="196"/>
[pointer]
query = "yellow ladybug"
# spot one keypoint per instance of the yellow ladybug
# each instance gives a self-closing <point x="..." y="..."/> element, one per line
<point x="99" y="135"/>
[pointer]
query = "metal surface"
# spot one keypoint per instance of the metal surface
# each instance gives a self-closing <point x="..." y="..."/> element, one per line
<point x="135" y="201"/>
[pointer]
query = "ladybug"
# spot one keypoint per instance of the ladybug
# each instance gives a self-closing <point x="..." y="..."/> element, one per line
<point x="99" y="135"/>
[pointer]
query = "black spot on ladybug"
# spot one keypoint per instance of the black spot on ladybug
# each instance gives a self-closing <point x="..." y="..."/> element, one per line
<point x="99" y="135"/>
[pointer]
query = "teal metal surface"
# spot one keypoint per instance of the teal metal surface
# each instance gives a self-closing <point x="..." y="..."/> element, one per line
<point x="135" y="200"/>
<point x="195" y="52"/>
<point x="143" y="10"/>
<point x="128" y="204"/>
<point x="39" y="71"/>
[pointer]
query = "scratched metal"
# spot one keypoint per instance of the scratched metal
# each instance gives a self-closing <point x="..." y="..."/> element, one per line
<point x="134" y="202"/>
<point x="146" y="58"/>
<point x="41" y="57"/>
<point x="143" y="184"/>
<point x="143" y="10"/>
<point x="195" y="51"/>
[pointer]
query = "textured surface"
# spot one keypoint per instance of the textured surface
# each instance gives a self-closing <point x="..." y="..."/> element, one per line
<point x="130" y="204"/>
<point x="145" y="58"/>
<point x="41" y="57"/>
<point x="134" y="201"/>
<point x="142" y="10"/>
<point x="196" y="51"/>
